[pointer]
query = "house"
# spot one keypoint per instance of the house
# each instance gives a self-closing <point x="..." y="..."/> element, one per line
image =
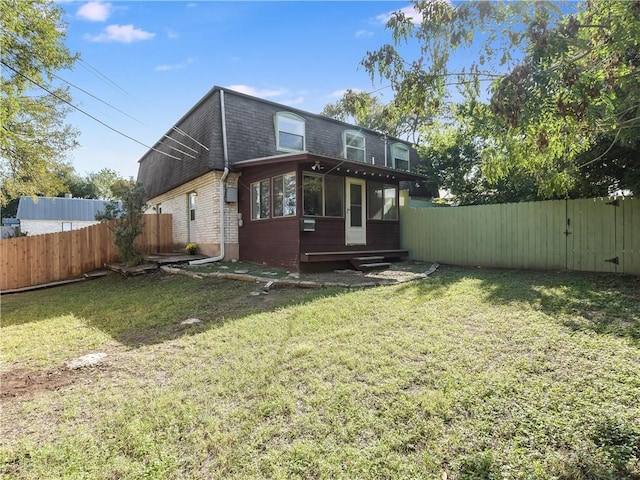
<point x="281" y="186"/>
<point x="39" y="215"/>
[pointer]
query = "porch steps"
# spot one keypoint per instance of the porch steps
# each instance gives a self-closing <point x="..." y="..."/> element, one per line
<point x="369" y="263"/>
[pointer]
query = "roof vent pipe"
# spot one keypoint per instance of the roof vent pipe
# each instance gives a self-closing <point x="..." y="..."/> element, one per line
<point x="223" y="179"/>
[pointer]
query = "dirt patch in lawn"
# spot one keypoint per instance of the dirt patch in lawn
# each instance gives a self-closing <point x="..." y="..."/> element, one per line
<point x="24" y="382"/>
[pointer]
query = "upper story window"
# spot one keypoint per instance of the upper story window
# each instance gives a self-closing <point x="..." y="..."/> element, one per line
<point x="400" y="156"/>
<point x="289" y="132"/>
<point x="354" y="145"/>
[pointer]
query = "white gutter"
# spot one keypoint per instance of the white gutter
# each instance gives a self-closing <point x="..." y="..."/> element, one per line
<point x="223" y="179"/>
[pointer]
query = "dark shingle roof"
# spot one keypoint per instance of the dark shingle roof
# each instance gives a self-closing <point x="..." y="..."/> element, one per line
<point x="57" y="208"/>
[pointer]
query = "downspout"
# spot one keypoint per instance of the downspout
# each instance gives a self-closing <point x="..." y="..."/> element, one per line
<point x="223" y="179"/>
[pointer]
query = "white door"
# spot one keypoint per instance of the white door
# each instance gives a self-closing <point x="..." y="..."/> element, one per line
<point x="356" y="222"/>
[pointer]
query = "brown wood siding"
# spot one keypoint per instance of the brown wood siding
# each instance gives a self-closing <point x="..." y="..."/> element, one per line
<point x="272" y="241"/>
<point x="330" y="236"/>
<point x="278" y="241"/>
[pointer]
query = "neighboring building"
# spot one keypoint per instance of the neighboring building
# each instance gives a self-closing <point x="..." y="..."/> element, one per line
<point x="57" y="214"/>
<point x="281" y="186"/>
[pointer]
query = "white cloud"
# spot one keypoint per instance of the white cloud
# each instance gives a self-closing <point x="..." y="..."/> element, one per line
<point x="409" y="12"/>
<point x="340" y="93"/>
<point x="294" y="101"/>
<point x="94" y="11"/>
<point x="121" y="33"/>
<point x="363" y="33"/>
<point x="166" y="67"/>
<point x="258" y="92"/>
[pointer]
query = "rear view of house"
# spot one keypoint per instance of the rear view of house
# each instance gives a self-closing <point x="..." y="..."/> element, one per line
<point x="250" y="179"/>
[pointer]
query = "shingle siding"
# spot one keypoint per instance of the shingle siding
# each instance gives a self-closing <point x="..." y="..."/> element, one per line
<point x="251" y="132"/>
<point x="160" y="173"/>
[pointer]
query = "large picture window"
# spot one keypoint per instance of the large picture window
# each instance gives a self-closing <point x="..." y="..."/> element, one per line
<point x="323" y="195"/>
<point x="290" y="132"/>
<point x="284" y="195"/>
<point x="260" y="200"/>
<point x="354" y="145"/>
<point x="383" y="201"/>
<point x="400" y="156"/>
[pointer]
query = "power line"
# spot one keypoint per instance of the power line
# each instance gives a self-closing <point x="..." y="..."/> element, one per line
<point x="95" y="97"/>
<point x="87" y="114"/>
<point x="98" y="73"/>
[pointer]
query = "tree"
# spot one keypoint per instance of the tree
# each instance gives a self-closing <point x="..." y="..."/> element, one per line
<point x="33" y="138"/>
<point x="127" y="219"/>
<point x="365" y="110"/>
<point x="559" y="82"/>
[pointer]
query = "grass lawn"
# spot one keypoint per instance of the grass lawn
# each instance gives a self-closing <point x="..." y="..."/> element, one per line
<point x="470" y="374"/>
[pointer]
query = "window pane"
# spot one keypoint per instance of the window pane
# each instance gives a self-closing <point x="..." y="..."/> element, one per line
<point x="334" y="196"/>
<point x="312" y="203"/>
<point x="376" y="201"/>
<point x="355" y="154"/>
<point x="284" y="195"/>
<point x="264" y="199"/>
<point x="278" y="196"/>
<point x="255" y="200"/>
<point x="289" y="190"/>
<point x="356" y="141"/>
<point x="402" y="164"/>
<point x="291" y="141"/>
<point x="390" y="204"/>
<point x="291" y="125"/>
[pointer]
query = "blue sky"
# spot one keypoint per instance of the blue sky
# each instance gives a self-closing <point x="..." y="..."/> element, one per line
<point x="154" y="60"/>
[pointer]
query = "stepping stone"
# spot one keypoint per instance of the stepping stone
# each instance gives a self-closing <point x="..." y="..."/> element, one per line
<point x="190" y="321"/>
<point x="86" y="361"/>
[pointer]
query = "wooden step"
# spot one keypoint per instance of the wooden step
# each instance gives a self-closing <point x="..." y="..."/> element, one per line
<point x="367" y="266"/>
<point x="367" y="259"/>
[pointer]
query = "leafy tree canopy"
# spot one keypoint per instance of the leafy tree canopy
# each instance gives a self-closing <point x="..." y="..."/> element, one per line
<point x="94" y="185"/>
<point x="550" y="85"/>
<point x="33" y="137"/>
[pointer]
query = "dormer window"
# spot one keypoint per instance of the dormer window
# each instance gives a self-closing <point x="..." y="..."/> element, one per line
<point x="354" y="145"/>
<point x="289" y="132"/>
<point x="400" y="156"/>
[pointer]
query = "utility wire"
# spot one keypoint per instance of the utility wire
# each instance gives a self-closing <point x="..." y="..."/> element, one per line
<point x="98" y="73"/>
<point x="99" y="99"/>
<point x="87" y="114"/>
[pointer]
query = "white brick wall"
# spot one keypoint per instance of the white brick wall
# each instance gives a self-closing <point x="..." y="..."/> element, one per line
<point x="207" y="231"/>
<point x="38" y="227"/>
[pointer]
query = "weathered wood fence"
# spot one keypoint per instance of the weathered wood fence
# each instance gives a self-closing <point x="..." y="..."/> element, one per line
<point x="40" y="259"/>
<point x="597" y="235"/>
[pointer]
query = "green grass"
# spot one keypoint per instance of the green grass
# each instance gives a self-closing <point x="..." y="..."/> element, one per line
<point x="471" y="374"/>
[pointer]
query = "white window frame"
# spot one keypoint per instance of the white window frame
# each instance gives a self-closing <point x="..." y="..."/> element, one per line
<point x="396" y="148"/>
<point x="280" y="180"/>
<point x="323" y="198"/>
<point x="295" y="118"/>
<point x="346" y="147"/>
<point x="389" y="201"/>
<point x="255" y="215"/>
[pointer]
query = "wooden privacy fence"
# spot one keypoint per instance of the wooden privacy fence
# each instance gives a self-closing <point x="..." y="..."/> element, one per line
<point x="40" y="259"/>
<point x="596" y="235"/>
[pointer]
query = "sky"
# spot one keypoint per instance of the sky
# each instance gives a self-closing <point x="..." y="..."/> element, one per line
<point x="152" y="61"/>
